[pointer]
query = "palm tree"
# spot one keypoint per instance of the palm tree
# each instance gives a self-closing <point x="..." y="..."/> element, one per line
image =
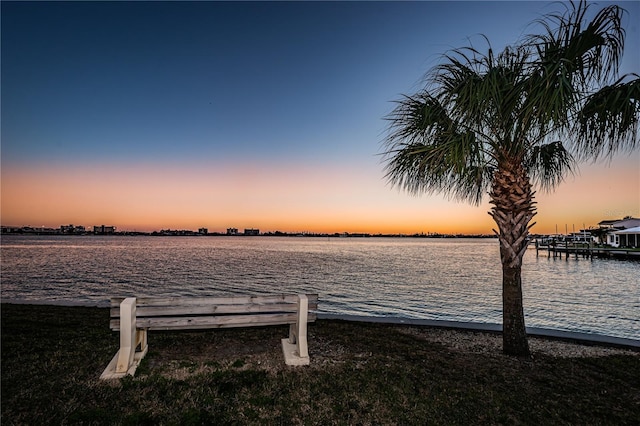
<point x="504" y="123"/>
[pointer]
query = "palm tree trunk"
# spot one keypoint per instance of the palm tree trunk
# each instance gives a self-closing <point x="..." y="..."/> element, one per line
<point x="513" y="209"/>
<point x="514" y="334"/>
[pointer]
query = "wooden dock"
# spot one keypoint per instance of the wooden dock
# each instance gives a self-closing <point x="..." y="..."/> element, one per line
<point x="558" y="249"/>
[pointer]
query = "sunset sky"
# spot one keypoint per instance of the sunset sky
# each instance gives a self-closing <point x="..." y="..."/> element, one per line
<point x="265" y="115"/>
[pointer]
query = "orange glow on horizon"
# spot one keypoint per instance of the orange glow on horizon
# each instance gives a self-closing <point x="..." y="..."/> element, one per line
<point x="295" y="199"/>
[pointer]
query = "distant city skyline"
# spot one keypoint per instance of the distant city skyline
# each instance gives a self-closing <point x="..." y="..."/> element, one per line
<point x="269" y="115"/>
<point x="78" y="228"/>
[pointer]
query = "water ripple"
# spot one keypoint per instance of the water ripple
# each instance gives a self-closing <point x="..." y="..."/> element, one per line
<point x="456" y="280"/>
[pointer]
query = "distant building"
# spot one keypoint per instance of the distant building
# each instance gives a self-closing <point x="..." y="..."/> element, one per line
<point x="177" y="233"/>
<point x="12" y="230"/>
<point x="251" y="231"/>
<point x="621" y="232"/>
<point x="608" y="223"/>
<point x="232" y="231"/>
<point x="71" y="229"/>
<point x="104" y="230"/>
<point x="203" y="231"/>
<point x="626" y="223"/>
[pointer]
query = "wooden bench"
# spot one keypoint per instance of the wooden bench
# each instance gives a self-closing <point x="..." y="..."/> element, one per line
<point x="133" y="317"/>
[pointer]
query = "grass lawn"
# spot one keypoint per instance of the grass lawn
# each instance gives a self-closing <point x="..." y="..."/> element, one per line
<point x="360" y="374"/>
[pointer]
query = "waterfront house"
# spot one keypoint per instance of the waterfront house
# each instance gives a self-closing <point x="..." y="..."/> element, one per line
<point x="620" y="233"/>
<point x="629" y="238"/>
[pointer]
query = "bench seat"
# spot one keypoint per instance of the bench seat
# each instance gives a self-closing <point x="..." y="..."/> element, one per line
<point x="133" y="317"/>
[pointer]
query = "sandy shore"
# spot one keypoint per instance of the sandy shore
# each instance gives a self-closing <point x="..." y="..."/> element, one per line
<point x="491" y="343"/>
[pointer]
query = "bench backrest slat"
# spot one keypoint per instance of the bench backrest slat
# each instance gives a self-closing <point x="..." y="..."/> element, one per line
<point x="211" y="309"/>
<point x="213" y="312"/>
<point x="234" y="300"/>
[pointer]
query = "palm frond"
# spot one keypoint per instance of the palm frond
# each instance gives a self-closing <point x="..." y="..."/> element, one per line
<point x="569" y="49"/>
<point x="572" y="57"/>
<point x="426" y="151"/>
<point x="444" y="167"/>
<point x="416" y="118"/>
<point x="547" y="164"/>
<point x="608" y="121"/>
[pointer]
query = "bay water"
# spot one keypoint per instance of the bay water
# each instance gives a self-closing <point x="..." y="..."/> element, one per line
<point x="414" y="278"/>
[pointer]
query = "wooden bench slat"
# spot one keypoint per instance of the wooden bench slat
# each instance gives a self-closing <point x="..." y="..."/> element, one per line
<point x="177" y="323"/>
<point x="211" y="309"/>
<point x="234" y="300"/>
<point x="184" y="323"/>
<point x="145" y="311"/>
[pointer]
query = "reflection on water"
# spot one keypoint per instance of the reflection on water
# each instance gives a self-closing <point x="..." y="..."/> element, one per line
<point x="452" y="279"/>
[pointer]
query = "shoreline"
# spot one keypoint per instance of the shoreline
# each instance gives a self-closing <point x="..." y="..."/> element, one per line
<point x="560" y="335"/>
<point x="585" y="338"/>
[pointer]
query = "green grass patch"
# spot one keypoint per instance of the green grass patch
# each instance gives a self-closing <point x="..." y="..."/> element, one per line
<point x="53" y="356"/>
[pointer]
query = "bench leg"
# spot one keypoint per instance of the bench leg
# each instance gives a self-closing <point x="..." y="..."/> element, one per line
<point x="141" y="338"/>
<point x="301" y="327"/>
<point x="126" y="360"/>
<point x="128" y="335"/>
<point x="295" y="348"/>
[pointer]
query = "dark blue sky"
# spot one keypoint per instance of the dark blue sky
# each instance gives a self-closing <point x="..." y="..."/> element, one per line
<point x="172" y="80"/>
